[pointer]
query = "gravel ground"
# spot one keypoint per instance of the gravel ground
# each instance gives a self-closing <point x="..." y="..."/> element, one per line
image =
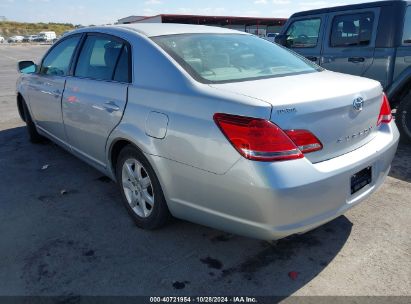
<point x="65" y="232"/>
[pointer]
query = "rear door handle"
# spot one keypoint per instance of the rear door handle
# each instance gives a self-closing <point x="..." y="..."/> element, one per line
<point x="111" y="106"/>
<point x="311" y="58"/>
<point x="57" y="93"/>
<point x="356" y="59"/>
<point x="327" y="59"/>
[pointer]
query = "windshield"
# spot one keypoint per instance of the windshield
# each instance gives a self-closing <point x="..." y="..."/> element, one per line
<point x="221" y="58"/>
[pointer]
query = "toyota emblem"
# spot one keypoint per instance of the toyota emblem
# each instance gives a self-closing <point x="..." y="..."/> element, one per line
<point x="358" y="104"/>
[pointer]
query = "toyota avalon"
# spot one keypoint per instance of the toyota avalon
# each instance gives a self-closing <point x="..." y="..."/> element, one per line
<point x="211" y="125"/>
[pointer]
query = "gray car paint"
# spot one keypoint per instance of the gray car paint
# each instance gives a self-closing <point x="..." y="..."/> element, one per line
<point x="46" y="93"/>
<point x="338" y="58"/>
<point x="91" y="110"/>
<point x="203" y="177"/>
<point x="382" y="63"/>
<point x="311" y="53"/>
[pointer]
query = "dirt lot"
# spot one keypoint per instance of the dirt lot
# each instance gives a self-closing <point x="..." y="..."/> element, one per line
<point x="65" y="232"/>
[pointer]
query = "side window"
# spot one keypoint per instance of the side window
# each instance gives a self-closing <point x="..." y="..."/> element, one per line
<point x="57" y="62"/>
<point x="406" y="38"/>
<point x="303" y="33"/>
<point x="121" y="73"/>
<point x="99" y="57"/>
<point x="352" y="30"/>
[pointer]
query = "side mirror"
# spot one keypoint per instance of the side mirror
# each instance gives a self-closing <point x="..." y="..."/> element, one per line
<point x="26" y="67"/>
<point x="281" y="39"/>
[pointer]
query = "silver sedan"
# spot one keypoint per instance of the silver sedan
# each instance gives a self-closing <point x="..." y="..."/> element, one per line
<point x="211" y="125"/>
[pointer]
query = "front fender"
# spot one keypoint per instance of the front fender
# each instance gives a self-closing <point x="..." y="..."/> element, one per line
<point x="21" y="95"/>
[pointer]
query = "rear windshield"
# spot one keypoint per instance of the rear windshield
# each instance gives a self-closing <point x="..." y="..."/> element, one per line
<point x="222" y="58"/>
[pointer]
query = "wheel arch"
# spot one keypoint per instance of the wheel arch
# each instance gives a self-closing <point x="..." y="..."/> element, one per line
<point x="115" y="149"/>
<point x="116" y="146"/>
<point x="20" y="101"/>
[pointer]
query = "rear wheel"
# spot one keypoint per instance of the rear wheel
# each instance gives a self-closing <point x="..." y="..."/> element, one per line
<point x="34" y="136"/>
<point x="403" y="118"/>
<point x="141" y="190"/>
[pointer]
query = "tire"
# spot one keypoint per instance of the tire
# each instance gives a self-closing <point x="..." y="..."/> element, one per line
<point x="142" y="197"/>
<point x="403" y="119"/>
<point x="34" y="136"/>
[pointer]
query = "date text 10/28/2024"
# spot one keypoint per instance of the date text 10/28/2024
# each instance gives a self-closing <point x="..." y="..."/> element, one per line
<point x="203" y="300"/>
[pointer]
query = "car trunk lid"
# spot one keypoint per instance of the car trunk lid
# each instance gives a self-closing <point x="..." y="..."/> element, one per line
<point x="340" y="110"/>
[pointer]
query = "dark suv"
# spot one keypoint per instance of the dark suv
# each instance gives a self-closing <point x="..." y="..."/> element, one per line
<point x="371" y="40"/>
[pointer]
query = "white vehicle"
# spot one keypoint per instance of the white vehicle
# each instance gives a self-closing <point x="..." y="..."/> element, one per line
<point x="1" y="39"/>
<point x="30" y="38"/>
<point x="47" y="36"/>
<point x="15" y="39"/>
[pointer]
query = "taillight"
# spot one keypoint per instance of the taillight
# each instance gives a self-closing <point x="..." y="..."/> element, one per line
<point x="385" y="112"/>
<point x="305" y="140"/>
<point x="259" y="139"/>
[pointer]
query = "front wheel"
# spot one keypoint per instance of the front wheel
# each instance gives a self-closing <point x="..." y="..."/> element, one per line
<point x="403" y="118"/>
<point x="141" y="190"/>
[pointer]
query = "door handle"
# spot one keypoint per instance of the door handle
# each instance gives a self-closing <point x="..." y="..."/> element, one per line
<point x="327" y="59"/>
<point x="56" y="93"/>
<point x="111" y="106"/>
<point x="356" y="59"/>
<point x="311" y="58"/>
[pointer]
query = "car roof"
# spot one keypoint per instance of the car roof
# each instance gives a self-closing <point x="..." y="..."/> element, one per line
<point x="353" y="7"/>
<point x="163" y="29"/>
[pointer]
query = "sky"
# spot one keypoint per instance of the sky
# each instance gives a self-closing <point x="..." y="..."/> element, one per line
<point x="88" y="12"/>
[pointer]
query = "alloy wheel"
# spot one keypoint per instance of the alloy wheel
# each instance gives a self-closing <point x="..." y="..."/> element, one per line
<point x="138" y="188"/>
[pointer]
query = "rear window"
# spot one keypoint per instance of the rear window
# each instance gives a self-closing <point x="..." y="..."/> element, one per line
<point x="103" y="58"/>
<point x="220" y="58"/>
<point x="352" y="30"/>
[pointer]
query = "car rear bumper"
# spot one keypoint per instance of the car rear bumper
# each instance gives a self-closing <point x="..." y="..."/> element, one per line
<point x="274" y="200"/>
